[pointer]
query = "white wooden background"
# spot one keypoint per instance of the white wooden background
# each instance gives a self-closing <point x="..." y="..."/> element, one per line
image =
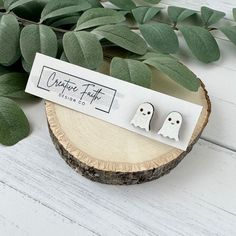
<point x="41" y="195"/>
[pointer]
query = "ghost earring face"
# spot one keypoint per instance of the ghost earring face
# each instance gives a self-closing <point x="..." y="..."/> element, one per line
<point x="171" y="126"/>
<point x="143" y="116"/>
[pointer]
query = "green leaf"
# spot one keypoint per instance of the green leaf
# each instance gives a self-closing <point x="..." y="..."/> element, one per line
<point x="123" y="37"/>
<point x="63" y="57"/>
<point x="210" y="16"/>
<point x="144" y="14"/>
<point x="68" y="20"/>
<point x="7" y="3"/>
<point x="178" y="14"/>
<point x="61" y="7"/>
<point x="152" y="1"/>
<point x="123" y="4"/>
<point x="230" y="32"/>
<point x="124" y="12"/>
<point x="60" y="47"/>
<point x="234" y="13"/>
<point x="9" y="39"/>
<point x="17" y="4"/>
<point x="131" y="71"/>
<point x="151" y="55"/>
<point x="95" y="3"/>
<point x="201" y="42"/>
<point x="30" y="10"/>
<point x="4" y="70"/>
<point x="99" y="16"/>
<point x="37" y="38"/>
<point x="26" y="66"/>
<point x="83" y="48"/>
<point x="1" y="3"/>
<point x="175" y="71"/>
<point x="14" y="125"/>
<point x="12" y="85"/>
<point x="160" y="37"/>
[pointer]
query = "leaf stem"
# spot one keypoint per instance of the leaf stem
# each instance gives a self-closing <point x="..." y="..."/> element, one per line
<point x="25" y="22"/>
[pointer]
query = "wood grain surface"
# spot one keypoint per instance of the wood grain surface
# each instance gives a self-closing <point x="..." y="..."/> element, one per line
<point x="41" y="195"/>
<point x="109" y="154"/>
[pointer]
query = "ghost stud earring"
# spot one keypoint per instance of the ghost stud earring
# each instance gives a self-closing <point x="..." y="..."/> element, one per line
<point x="171" y="126"/>
<point x="143" y="116"/>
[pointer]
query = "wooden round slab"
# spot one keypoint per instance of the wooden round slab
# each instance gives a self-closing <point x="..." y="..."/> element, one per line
<point x="108" y="154"/>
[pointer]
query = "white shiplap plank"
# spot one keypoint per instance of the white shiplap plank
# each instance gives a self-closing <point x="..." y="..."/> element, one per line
<point x="221" y="128"/>
<point x="21" y="215"/>
<point x="196" y="198"/>
<point x="225" y="6"/>
<point x="219" y="77"/>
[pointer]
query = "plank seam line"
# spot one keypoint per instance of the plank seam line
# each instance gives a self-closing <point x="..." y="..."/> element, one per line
<point x="220" y="208"/>
<point x="48" y="207"/>
<point x="223" y="100"/>
<point x="219" y="144"/>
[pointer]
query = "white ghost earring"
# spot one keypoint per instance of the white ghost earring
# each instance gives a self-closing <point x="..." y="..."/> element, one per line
<point x="171" y="126"/>
<point x="143" y="116"/>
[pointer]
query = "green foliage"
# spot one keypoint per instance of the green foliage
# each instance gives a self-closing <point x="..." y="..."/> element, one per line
<point x="95" y="3"/>
<point x="152" y="1"/>
<point x="131" y="71"/>
<point x="7" y="3"/>
<point x="88" y="49"/>
<point x="4" y="70"/>
<point x="14" y="125"/>
<point x="9" y="39"/>
<point x="230" y="32"/>
<point x="37" y="38"/>
<point x="14" y="4"/>
<point x="210" y="16"/>
<point x="98" y="16"/>
<point x="30" y="10"/>
<point x="122" y="36"/>
<point x="144" y="14"/>
<point x="123" y="4"/>
<point x="62" y="8"/>
<point x="175" y="70"/>
<point x="201" y="43"/>
<point x="12" y="85"/>
<point x="178" y="14"/>
<point x="160" y="37"/>
<point x="67" y="20"/>
<point x="63" y="57"/>
<point x="26" y="66"/>
<point x="81" y="31"/>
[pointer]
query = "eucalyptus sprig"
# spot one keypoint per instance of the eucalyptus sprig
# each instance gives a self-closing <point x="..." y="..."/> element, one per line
<point x="85" y="32"/>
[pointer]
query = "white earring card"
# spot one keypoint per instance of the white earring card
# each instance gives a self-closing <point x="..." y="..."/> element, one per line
<point x="111" y="100"/>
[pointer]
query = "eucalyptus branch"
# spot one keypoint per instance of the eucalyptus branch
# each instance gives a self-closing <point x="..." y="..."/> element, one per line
<point x="25" y="22"/>
<point x="148" y="41"/>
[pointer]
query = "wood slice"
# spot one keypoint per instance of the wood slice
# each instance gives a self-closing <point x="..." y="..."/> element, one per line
<point x="109" y="154"/>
